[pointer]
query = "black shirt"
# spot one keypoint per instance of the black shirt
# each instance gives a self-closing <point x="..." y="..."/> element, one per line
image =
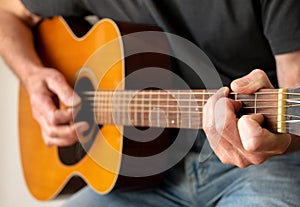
<point x="237" y="35"/>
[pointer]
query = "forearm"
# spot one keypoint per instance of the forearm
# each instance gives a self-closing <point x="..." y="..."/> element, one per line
<point x="17" y="45"/>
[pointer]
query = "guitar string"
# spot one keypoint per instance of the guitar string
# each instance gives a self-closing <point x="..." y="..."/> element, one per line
<point x="128" y="99"/>
<point x="187" y="92"/>
<point x="126" y="112"/>
<point x="176" y="100"/>
<point x="172" y="95"/>
<point x="160" y="105"/>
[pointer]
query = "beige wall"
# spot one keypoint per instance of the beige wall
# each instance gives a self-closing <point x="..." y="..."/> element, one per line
<point x="13" y="192"/>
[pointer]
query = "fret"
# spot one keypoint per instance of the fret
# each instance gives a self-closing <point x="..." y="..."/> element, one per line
<point x="203" y="100"/>
<point x="123" y="108"/>
<point x="158" y="109"/>
<point x="108" y="106"/>
<point x="167" y="111"/>
<point x="127" y="112"/>
<point x="104" y="102"/>
<point x="174" y="100"/>
<point x="255" y="103"/>
<point x="178" y="109"/>
<point x="96" y="104"/>
<point x="116" y="108"/>
<point x="142" y="110"/>
<point x="189" y="111"/>
<point x="105" y="106"/>
<point x="200" y="108"/>
<point x="135" y="104"/>
<point x="150" y="109"/>
<point x="120" y="108"/>
<point x="102" y="106"/>
<point x="130" y="109"/>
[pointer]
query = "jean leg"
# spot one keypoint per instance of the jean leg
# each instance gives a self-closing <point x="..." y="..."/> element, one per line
<point x="173" y="192"/>
<point x="275" y="183"/>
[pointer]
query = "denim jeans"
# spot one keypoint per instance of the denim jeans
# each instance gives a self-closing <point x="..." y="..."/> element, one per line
<point x="191" y="183"/>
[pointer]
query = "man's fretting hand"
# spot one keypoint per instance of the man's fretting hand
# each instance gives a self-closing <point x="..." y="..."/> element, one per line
<point x="241" y="142"/>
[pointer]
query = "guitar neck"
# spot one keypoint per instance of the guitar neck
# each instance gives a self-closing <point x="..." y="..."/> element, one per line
<point x="179" y="108"/>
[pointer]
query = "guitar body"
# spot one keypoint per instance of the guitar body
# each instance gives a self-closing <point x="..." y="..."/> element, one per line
<point x="45" y="173"/>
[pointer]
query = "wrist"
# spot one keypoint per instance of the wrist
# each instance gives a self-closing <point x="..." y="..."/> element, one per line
<point x="27" y="70"/>
<point x="294" y="145"/>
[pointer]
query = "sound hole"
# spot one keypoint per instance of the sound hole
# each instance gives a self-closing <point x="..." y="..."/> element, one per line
<point x="73" y="154"/>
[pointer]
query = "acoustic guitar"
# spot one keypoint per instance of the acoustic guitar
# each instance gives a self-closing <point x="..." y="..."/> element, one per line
<point x="93" y="61"/>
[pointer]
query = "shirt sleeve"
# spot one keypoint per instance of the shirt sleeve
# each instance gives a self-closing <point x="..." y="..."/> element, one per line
<point x="52" y="8"/>
<point x="281" y="24"/>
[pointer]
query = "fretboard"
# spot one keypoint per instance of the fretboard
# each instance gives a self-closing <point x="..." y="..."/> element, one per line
<point x="176" y="108"/>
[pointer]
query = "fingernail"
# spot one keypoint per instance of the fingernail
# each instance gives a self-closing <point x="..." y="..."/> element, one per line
<point x="82" y="127"/>
<point x="74" y="100"/>
<point x="224" y="91"/>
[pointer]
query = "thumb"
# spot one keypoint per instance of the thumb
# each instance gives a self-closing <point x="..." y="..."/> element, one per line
<point x="251" y="83"/>
<point x="57" y="83"/>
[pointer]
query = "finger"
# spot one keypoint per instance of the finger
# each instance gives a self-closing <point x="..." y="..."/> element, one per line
<point x="66" y="131"/>
<point x="58" y="85"/>
<point x="228" y="154"/>
<point x="209" y="116"/>
<point x="225" y="120"/>
<point x="64" y="134"/>
<point x="53" y="141"/>
<point x="55" y="117"/>
<point x="43" y="105"/>
<point x="257" y="139"/>
<point x="251" y="83"/>
<point x="75" y="110"/>
<point x="46" y="108"/>
<point x="60" y="117"/>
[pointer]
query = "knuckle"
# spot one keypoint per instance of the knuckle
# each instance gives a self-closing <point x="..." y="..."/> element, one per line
<point x="260" y="74"/>
<point x="72" y="132"/>
<point x="251" y="146"/>
<point x="225" y="161"/>
<point x="47" y="140"/>
<point x="258" y="160"/>
<point x="71" y="141"/>
<point x="209" y="127"/>
<point x="281" y="150"/>
<point x="50" y="132"/>
<point x="52" y="119"/>
<point x="243" y="165"/>
<point x="57" y="77"/>
<point x="222" y="155"/>
<point x="36" y="115"/>
<point x="68" y="141"/>
<point x="223" y="127"/>
<point x="242" y="162"/>
<point x="48" y="143"/>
